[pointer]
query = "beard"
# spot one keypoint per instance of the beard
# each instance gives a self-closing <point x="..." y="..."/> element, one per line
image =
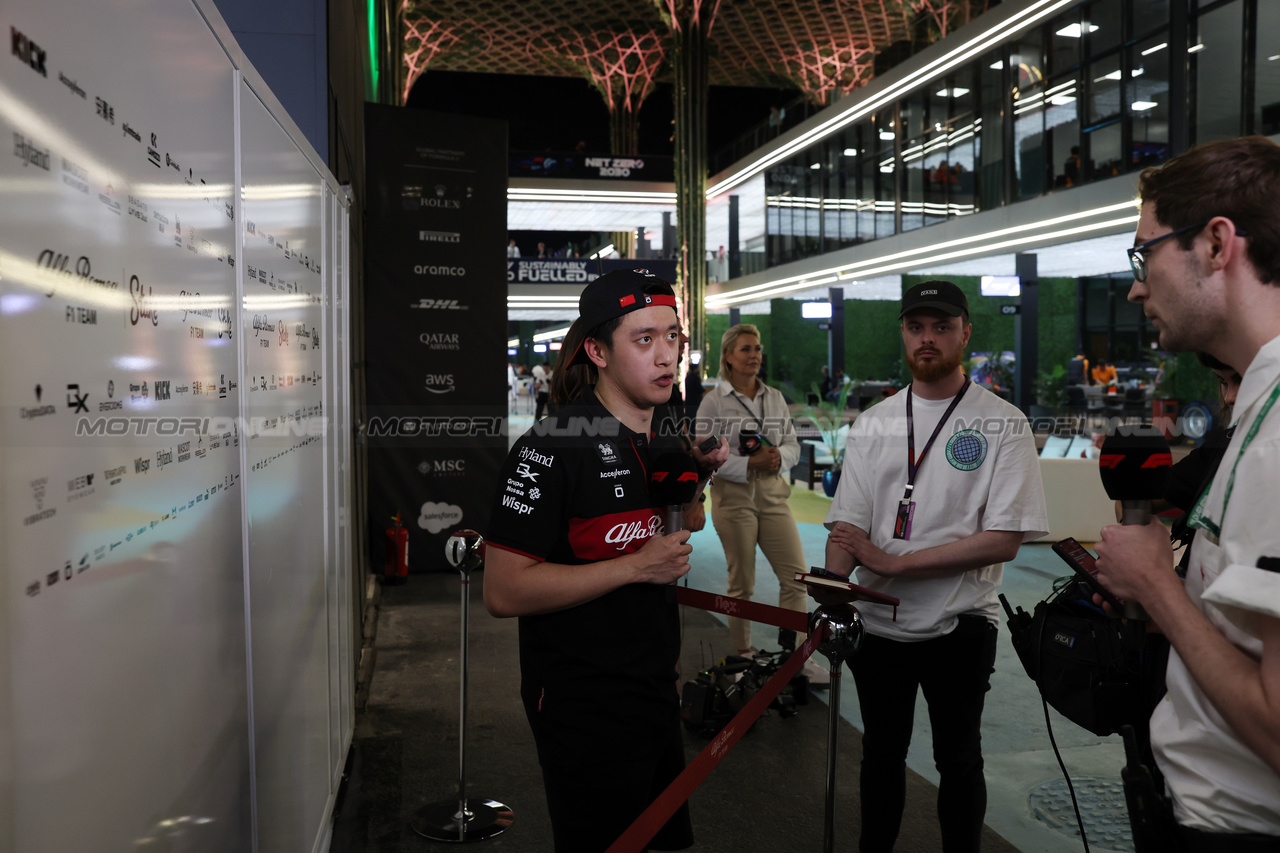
<point x="938" y="368"/>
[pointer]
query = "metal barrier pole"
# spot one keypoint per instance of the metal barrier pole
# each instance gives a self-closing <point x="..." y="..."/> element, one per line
<point x="461" y="820"/>
<point x="845" y="626"/>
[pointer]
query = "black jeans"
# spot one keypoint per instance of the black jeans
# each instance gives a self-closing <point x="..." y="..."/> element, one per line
<point x="954" y="672"/>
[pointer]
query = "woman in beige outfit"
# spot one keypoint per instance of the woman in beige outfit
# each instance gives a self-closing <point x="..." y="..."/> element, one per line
<point x="749" y="493"/>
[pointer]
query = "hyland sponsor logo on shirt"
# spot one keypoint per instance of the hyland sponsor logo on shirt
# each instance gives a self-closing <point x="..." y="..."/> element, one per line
<point x="528" y="454"/>
<point x="608" y="536"/>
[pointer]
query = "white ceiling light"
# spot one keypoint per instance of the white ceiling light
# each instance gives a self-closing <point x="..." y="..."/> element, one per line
<point x="887" y="135"/>
<point x="815" y="165"/>
<point x="1161" y="46"/>
<point x="954" y="92"/>
<point x="1141" y="106"/>
<point x="1195" y="48"/>
<point x="1074" y="31"/>
<point x="849" y="152"/>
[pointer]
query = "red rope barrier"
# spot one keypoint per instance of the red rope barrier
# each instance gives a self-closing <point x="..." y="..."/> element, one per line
<point x="756" y="612"/>
<point x="641" y="832"/>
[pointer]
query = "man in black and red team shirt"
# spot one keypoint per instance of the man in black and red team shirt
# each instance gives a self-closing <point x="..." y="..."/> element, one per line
<point x="579" y="554"/>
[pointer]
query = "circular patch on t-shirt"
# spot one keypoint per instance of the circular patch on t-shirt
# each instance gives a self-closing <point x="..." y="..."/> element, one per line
<point x="966" y="449"/>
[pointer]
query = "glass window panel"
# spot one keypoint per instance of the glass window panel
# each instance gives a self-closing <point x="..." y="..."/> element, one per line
<point x="935" y="157"/>
<point x="870" y="175"/>
<point x="1148" y="97"/>
<point x="989" y="181"/>
<point x="1216" y="68"/>
<point x="1102" y="26"/>
<point x="1104" y="151"/>
<point x="1104" y="90"/>
<point x="885" y="175"/>
<point x="1148" y="15"/>
<point x="1266" y="110"/>
<point x="961" y="136"/>
<point x="1028" y="140"/>
<point x="1027" y="61"/>
<point x="991" y="76"/>
<point x="1066" y="41"/>
<point x="1062" y="130"/>
<point x="913" y="112"/>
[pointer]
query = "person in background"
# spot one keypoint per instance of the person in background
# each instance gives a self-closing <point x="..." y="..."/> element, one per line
<point x="749" y="494"/>
<point x="541" y="388"/>
<point x="1104" y="373"/>
<point x="513" y="251"/>
<point x="940" y="487"/>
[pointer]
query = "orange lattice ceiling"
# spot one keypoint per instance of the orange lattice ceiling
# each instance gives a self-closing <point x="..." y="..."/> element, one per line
<point x="816" y="46"/>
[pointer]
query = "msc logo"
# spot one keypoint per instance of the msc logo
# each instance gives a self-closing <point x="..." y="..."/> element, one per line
<point x="28" y="51"/>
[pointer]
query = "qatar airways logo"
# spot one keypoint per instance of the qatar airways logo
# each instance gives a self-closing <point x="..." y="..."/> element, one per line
<point x="627" y="532"/>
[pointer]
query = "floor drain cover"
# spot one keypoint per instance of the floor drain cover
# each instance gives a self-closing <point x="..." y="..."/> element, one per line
<point x="1102" y="808"/>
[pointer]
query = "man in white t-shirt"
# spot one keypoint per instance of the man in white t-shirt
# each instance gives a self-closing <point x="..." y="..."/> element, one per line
<point x="541" y="389"/>
<point x="1207" y="272"/>
<point x="940" y="486"/>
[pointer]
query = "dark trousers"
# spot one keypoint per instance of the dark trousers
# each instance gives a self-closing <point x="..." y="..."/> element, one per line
<point x="591" y="805"/>
<point x="954" y="672"/>
<point x="541" y="397"/>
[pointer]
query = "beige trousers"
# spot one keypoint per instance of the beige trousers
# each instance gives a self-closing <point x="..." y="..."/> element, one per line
<point x="745" y="514"/>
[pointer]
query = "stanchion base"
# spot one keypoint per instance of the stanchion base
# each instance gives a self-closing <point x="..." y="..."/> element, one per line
<point x="446" y="822"/>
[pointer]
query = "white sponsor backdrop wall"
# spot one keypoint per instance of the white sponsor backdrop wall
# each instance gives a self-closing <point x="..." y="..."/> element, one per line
<point x="175" y="631"/>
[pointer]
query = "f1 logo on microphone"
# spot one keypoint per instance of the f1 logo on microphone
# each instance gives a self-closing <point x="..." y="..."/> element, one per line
<point x="1155" y="460"/>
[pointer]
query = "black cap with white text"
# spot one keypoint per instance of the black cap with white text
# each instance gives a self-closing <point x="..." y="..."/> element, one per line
<point x="935" y="295"/>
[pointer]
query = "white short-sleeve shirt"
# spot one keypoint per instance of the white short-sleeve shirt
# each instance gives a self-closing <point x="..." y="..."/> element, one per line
<point x="981" y="474"/>
<point x="1217" y="783"/>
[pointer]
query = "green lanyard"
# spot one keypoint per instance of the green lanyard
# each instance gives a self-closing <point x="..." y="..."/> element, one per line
<point x="1199" y="519"/>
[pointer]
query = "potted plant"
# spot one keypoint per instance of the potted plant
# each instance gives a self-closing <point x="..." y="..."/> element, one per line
<point x="1051" y="392"/>
<point x="828" y="417"/>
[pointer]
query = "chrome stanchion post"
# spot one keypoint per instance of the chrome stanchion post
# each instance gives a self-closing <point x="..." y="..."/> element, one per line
<point x="463" y="820"/>
<point x="845" y="626"/>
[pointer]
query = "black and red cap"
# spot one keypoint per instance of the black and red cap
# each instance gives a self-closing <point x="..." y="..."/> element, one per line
<point x="617" y="293"/>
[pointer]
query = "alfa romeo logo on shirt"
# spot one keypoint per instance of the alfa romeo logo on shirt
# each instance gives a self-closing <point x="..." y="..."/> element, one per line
<point x="966" y="449"/>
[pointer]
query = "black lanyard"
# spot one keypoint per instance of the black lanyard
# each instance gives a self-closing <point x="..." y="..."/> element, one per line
<point x="757" y="418"/>
<point x="913" y="464"/>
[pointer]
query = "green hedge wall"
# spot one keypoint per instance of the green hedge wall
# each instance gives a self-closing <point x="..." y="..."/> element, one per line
<point x="796" y="349"/>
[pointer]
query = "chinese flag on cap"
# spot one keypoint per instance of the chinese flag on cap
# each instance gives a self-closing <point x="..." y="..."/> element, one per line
<point x="627" y="300"/>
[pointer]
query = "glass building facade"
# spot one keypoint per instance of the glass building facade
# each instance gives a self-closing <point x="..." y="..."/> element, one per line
<point x="1102" y="89"/>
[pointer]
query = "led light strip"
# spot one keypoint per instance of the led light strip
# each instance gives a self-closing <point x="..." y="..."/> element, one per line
<point x="1031" y="15"/>
<point x="602" y="196"/>
<point x="917" y="257"/>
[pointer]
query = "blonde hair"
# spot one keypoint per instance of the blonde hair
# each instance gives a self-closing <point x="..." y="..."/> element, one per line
<point x="729" y="341"/>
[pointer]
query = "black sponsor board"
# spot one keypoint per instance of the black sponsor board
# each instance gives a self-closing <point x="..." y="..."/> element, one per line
<point x="435" y="324"/>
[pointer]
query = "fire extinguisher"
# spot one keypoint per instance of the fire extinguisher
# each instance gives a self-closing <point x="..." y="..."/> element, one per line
<point x="395" y="566"/>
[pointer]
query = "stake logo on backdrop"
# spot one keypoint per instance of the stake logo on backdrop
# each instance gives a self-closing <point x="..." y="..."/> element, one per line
<point x="435" y="316"/>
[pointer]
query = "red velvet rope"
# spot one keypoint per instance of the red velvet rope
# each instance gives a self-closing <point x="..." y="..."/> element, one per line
<point x="756" y="612"/>
<point x="641" y="832"/>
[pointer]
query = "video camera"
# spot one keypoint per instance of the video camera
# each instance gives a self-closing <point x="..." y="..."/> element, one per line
<point x="708" y="703"/>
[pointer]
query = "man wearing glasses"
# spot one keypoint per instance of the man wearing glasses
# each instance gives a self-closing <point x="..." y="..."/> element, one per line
<point x="1206" y="267"/>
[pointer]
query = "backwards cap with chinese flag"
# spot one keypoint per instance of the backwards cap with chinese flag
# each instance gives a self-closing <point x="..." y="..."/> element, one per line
<point x="615" y="294"/>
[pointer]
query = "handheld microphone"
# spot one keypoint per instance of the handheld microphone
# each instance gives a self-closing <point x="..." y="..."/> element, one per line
<point x="1135" y="471"/>
<point x="673" y="482"/>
